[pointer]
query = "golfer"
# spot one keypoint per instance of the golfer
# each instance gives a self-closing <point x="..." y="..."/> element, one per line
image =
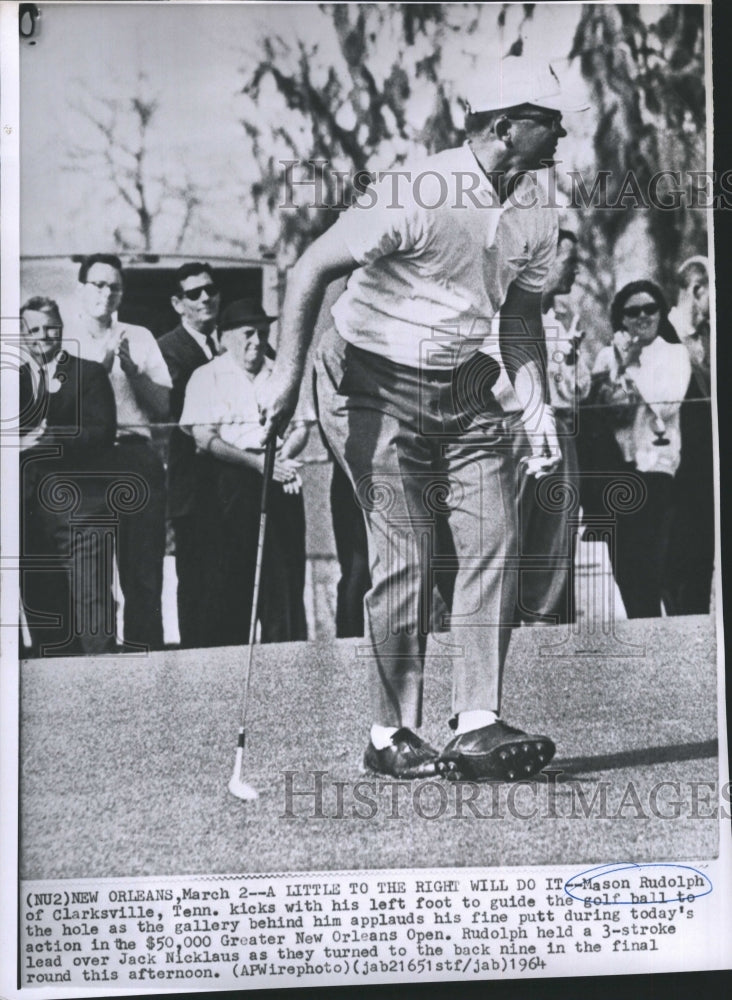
<point x="408" y="381"/>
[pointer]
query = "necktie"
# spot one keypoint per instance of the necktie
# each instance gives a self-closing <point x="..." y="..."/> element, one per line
<point x="211" y="344"/>
<point x="35" y="405"/>
<point x="42" y="394"/>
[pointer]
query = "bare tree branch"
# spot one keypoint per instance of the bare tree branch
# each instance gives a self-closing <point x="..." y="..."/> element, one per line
<point x="124" y="130"/>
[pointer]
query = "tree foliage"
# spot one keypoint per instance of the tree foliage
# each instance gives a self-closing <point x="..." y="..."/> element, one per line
<point x="354" y="110"/>
<point x="376" y="86"/>
<point x="646" y="79"/>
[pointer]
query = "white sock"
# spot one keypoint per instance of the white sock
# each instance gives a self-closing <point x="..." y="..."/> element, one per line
<point x="475" y="719"/>
<point x="381" y="736"/>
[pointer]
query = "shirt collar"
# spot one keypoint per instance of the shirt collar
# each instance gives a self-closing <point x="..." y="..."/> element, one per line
<point x="200" y="338"/>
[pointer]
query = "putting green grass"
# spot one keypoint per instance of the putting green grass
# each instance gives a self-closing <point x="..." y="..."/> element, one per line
<point x="125" y="761"/>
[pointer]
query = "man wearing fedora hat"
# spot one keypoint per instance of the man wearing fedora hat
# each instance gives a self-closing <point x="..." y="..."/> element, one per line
<point x="410" y="380"/>
<point x="220" y="413"/>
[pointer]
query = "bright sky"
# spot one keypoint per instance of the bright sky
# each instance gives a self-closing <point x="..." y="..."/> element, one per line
<point x="191" y="56"/>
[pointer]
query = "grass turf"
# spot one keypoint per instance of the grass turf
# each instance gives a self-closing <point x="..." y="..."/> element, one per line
<point x="125" y="761"/>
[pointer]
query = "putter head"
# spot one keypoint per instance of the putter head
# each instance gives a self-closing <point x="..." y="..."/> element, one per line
<point x="242" y="790"/>
<point x="237" y="786"/>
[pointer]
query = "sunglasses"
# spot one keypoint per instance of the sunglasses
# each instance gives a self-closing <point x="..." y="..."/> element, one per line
<point x="633" y="312"/>
<point x="194" y="294"/>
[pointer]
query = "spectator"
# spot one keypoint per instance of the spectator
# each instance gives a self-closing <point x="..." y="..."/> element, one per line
<point x="191" y="344"/>
<point x="347" y="518"/>
<point x="68" y="427"/>
<point x="352" y="549"/>
<point x="642" y="377"/>
<point x="141" y="385"/>
<point x="546" y="584"/>
<point x="691" y="550"/>
<point x="220" y="411"/>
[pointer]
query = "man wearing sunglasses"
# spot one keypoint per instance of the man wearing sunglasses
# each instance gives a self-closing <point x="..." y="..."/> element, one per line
<point x="191" y="344"/>
<point x="141" y="385"/>
<point x="408" y="391"/>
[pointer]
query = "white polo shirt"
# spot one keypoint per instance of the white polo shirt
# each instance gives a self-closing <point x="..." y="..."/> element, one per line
<point x="438" y="253"/>
<point x="144" y="351"/>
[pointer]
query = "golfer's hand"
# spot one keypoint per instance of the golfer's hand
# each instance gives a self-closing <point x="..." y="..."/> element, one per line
<point x="545" y="451"/>
<point x="276" y="399"/>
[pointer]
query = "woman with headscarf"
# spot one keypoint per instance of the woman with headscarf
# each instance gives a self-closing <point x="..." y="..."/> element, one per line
<point x="642" y="377"/>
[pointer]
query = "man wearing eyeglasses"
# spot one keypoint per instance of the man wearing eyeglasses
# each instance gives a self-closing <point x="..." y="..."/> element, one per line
<point x="191" y="344"/>
<point x="409" y="381"/>
<point x="141" y="384"/>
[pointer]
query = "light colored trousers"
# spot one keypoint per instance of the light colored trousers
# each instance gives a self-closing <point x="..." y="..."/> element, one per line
<point x="434" y="470"/>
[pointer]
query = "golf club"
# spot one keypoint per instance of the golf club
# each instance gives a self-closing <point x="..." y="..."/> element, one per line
<point x="237" y="786"/>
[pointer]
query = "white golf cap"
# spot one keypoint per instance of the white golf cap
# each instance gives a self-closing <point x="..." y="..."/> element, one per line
<point x="516" y="81"/>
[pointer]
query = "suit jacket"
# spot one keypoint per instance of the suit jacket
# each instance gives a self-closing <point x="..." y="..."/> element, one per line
<point x="188" y="472"/>
<point x="80" y="417"/>
<point x="81" y="424"/>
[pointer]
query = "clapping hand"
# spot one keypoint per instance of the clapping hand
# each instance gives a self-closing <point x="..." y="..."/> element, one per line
<point x="575" y="337"/>
<point x="125" y="358"/>
<point x="627" y="349"/>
